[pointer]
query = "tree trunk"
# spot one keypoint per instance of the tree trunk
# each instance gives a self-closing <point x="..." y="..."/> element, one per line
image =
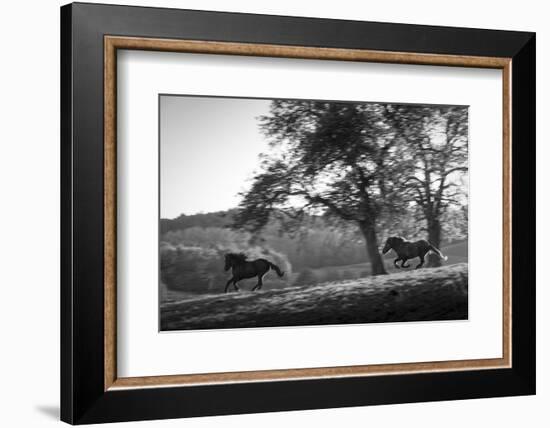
<point x="434" y="237"/>
<point x="376" y="262"/>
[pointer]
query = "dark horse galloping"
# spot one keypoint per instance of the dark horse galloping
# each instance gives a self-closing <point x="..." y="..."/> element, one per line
<point x="242" y="269"/>
<point x="409" y="250"/>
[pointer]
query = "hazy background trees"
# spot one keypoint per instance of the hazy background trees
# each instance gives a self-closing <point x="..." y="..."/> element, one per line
<point x="373" y="165"/>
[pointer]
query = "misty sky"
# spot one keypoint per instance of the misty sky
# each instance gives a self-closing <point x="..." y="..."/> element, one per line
<point x="209" y="149"/>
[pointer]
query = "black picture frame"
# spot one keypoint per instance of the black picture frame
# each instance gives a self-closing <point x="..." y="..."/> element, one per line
<point x="83" y="396"/>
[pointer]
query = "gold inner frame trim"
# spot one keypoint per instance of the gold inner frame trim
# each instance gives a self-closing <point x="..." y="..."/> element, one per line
<point x="113" y="43"/>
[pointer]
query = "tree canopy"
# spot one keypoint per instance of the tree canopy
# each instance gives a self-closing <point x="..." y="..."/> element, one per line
<point x="361" y="163"/>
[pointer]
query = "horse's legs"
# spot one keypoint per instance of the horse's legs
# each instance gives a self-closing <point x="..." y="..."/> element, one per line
<point x="235" y="285"/>
<point x="421" y="256"/>
<point x="395" y="262"/>
<point x="227" y="285"/>
<point x="403" y="265"/>
<point x="260" y="283"/>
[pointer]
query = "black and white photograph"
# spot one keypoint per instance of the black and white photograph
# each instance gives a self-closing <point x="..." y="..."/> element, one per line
<point x="291" y="212"/>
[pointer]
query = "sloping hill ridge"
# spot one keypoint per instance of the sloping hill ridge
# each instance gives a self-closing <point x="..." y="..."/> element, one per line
<point x="413" y="295"/>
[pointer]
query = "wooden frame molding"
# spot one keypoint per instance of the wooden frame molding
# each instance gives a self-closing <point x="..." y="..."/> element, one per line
<point x="113" y="43"/>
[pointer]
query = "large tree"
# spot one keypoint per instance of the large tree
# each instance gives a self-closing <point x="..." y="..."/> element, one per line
<point x="438" y="142"/>
<point x="336" y="159"/>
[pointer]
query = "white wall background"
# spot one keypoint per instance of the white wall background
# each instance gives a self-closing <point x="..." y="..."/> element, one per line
<point x="29" y="217"/>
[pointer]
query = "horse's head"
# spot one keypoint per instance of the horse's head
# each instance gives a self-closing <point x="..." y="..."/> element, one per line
<point x="391" y="242"/>
<point x="234" y="259"/>
<point x="228" y="262"/>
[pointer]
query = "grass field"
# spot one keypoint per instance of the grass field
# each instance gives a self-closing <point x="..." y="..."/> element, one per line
<point x="407" y="295"/>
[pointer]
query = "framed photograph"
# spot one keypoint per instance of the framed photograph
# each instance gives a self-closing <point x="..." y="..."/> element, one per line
<point x="266" y="213"/>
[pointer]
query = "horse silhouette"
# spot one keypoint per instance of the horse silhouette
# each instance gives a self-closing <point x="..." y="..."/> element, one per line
<point x="243" y="268"/>
<point x="406" y="250"/>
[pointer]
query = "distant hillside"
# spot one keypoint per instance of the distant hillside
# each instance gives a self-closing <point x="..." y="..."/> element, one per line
<point x="314" y="242"/>
<point x="318" y="244"/>
<point x="215" y="219"/>
<point x="225" y="219"/>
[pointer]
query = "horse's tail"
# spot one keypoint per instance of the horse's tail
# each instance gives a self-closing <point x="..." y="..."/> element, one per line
<point x="439" y="253"/>
<point x="276" y="269"/>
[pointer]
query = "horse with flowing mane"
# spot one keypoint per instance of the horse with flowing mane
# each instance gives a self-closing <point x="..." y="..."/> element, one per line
<point x="243" y="268"/>
<point x="406" y="250"/>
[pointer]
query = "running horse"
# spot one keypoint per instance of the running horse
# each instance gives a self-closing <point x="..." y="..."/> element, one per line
<point x="406" y="250"/>
<point x="243" y="268"/>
